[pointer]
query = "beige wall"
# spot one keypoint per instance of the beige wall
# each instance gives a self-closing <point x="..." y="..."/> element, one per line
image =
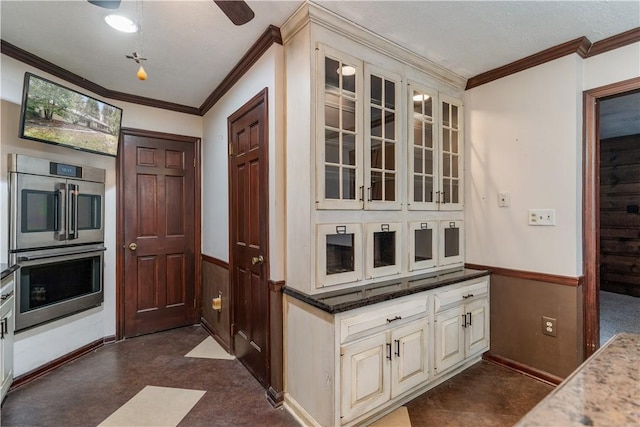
<point x="524" y="136"/>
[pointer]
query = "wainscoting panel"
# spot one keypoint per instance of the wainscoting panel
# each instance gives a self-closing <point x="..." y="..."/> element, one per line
<point x="517" y="308"/>
<point x="215" y="282"/>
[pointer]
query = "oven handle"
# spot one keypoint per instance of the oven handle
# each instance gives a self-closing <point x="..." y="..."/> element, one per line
<point x="57" y="255"/>
<point x="62" y="212"/>
<point x="72" y="225"/>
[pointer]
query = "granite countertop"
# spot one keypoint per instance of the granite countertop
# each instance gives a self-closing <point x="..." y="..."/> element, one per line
<point x="6" y="269"/>
<point x="603" y="391"/>
<point x="348" y="299"/>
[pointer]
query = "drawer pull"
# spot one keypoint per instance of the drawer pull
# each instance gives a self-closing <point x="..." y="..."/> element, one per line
<point x="6" y="296"/>
<point x="394" y="319"/>
<point x="467" y="296"/>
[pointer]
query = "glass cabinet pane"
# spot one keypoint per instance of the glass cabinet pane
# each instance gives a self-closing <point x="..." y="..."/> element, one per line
<point x="451" y="245"/>
<point x="340" y="253"/>
<point x="451" y="155"/>
<point x="340" y="129"/>
<point x="382" y="129"/>
<point x="424" y="245"/>
<point x="423" y="148"/>
<point x="384" y="248"/>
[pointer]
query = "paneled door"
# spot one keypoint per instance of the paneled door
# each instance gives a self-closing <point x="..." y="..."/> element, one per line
<point x="248" y="218"/>
<point x="159" y="221"/>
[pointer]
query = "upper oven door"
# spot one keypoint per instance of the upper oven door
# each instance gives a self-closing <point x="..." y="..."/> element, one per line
<point x="38" y="212"/>
<point x="85" y="212"/>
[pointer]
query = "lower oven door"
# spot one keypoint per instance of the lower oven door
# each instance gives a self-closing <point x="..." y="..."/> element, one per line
<point x="57" y="283"/>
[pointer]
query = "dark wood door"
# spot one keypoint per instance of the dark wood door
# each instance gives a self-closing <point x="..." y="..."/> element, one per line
<point x="248" y="235"/>
<point x="159" y="233"/>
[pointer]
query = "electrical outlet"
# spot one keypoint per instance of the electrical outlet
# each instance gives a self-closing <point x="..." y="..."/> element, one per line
<point x="549" y="326"/>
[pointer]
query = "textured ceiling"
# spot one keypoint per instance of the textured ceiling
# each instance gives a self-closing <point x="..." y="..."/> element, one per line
<point x="191" y="45"/>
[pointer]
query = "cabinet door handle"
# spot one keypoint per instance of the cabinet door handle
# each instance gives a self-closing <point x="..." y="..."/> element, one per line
<point x="397" y="348"/>
<point x="442" y="193"/>
<point x="437" y="200"/>
<point x="3" y="328"/>
<point x="389" y="350"/>
<point x="469" y="313"/>
<point x="369" y="194"/>
<point x="362" y="193"/>
<point x="464" y="319"/>
<point x="394" y="319"/>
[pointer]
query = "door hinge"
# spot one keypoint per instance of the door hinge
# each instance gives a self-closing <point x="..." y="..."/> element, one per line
<point x="194" y="162"/>
<point x="230" y="149"/>
<point x="194" y="303"/>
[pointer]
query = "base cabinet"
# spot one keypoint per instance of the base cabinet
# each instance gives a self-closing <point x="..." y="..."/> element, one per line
<point x="378" y="369"/>
<point x="352" y="367"/>
<point x="462" y="330"/>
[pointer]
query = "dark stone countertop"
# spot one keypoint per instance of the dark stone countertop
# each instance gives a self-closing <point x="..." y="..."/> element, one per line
<point x="348" y="299"/>
<point x="6" y="269"/>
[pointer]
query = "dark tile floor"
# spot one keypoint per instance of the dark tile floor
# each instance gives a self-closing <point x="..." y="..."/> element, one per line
<point x="483" y="395"/>
<point x="88" y="390"/>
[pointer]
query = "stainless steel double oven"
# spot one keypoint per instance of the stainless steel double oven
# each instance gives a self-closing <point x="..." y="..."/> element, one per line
<point x="56" y="235"/>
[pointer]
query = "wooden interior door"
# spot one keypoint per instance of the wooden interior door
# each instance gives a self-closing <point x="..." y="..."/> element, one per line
<point x="159" y="215"/>
<point x="248" y="235"/>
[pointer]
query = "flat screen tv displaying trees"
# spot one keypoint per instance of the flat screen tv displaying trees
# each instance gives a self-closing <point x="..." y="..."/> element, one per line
<point x="55" y="114"/>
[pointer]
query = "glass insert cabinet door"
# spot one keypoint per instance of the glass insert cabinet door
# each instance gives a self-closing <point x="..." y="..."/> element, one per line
<point x="384" y="249"/>
<point x="382" y="135"/>
<point x="423" y="244"/>
<point x="451" y="242"/>
<point x="423" y="148"/>
<point x="338" y="254"/>
<point x="451" y="191"/>
<point x="339" y="130"/>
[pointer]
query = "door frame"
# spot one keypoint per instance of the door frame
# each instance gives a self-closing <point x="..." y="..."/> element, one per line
<point x="591" y="207"/>
<point x="260" y="97"/>
<point x="120" y="205"/>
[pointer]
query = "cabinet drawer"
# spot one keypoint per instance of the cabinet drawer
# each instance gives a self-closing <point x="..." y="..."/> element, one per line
<point x="377" y="318"/>
<point x="461" y="293"/>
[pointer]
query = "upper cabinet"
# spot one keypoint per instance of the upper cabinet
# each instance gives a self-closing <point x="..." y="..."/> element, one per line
<point x="362" y="150"/>
<point x="339" y="122"/>
<point x="434" y="150"/>
<point x="358" y="133"/>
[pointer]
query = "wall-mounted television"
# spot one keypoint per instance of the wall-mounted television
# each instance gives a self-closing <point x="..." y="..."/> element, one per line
<point x="58" y="115"/>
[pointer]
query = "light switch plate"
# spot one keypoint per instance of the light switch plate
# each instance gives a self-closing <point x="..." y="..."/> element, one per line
<point x="542" y="217"/>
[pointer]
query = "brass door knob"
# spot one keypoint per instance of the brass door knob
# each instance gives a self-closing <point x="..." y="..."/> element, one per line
<point x="133" y="246"/>
<point x="257" y="260"/>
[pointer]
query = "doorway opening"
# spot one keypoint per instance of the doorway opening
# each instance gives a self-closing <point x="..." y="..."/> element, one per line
<point x="619" y="295"/>
<point x="591" y="205"/>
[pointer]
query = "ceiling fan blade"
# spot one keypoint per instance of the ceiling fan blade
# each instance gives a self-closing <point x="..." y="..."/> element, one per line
<point x="238" y="12"/>
<point x="107" y="4"/>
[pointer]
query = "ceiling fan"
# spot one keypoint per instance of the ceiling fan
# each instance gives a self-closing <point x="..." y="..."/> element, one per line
<point x="238" y="12"/>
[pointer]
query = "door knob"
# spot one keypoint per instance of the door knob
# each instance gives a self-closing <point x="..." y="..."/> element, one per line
<point x="257" y="260"/>
<point x="133" y="246"/>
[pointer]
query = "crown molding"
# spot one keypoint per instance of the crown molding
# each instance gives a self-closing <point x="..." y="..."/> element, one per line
<point x="615" y="42"/>
<point x="268" y="38"/>
<point x="310" y="12"/>
<point x="580" y="46"/>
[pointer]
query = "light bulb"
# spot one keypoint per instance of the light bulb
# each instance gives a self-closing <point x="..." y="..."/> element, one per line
<point x="142" y="74"/>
